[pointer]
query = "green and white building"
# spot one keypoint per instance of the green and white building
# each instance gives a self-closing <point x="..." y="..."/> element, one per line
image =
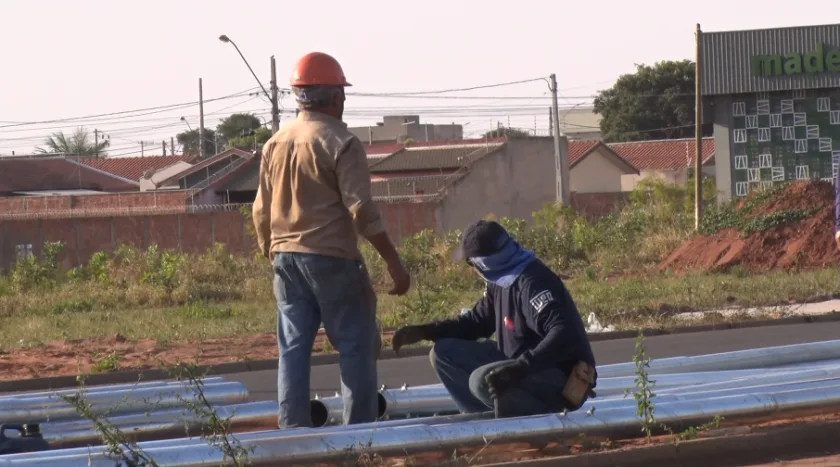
<point x="774" y="98"/>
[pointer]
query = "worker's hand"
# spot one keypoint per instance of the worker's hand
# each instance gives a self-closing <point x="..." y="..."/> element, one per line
<point x="837" y="240"/>
<point x="501" y="378"/>
<point x="399" y="274"/>
<point x="408" y="335"/>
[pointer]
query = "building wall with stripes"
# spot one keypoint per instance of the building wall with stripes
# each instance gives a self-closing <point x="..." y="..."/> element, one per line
<point x="775" y="99"/>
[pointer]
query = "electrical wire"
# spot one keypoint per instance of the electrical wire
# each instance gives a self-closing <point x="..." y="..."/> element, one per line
<point x="156" y="109"/>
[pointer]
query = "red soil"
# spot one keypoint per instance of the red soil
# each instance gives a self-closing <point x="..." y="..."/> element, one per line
<point x="805" y="245"/>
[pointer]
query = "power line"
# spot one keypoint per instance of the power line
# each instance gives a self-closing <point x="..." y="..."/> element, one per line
<point x="442" y="91"/>
<point x="156" y="109"/>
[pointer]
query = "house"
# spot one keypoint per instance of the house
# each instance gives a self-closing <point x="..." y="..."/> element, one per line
<point x="202" y="179"/>
<point x="595" y="174"/>
<point x="135" y="168"/>
<point x="433" y="158"/>
<point x="397" y="129"/>
<point x="44" y="176"/>
<point x="671" y="160"/>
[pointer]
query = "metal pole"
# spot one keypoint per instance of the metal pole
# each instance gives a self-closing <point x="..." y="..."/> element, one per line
<point x="201" y="120"/>
<point x="405" y="440"/>
<point x="224" y="38"/>
<point x="698" y="137"/>
<point x="275" y="108"/>
<point x="561" y="163"/>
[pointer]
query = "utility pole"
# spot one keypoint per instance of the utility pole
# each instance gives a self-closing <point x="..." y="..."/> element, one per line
<point x="561" y="159"/>
<point x="171" y="145"/>
<point x="275" y="106"/>
<point x="96" y="142"/>
<point x="163" y="144"/>
<point x="550" y="121"/>
<point x="142" y="149"/>
<point x="698" y="136"/>
<point x="200" y="121"/>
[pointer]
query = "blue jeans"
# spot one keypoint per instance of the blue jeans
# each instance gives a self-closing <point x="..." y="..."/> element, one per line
<point x="461" y="366"/>
<point x="311" y="289"/>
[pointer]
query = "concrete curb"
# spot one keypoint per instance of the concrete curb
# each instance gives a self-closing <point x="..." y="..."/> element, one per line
<point x="130" y="376"/>
<point x="803" y="441"/>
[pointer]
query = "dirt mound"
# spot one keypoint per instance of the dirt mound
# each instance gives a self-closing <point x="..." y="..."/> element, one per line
<point x="785" y="228"/>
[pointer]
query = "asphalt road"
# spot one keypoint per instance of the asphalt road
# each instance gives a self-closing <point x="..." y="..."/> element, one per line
<point x="415" y="371"/>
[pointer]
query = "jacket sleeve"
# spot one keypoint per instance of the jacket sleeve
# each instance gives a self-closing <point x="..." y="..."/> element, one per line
<point x="261" y="210"/>
<point x="551" y="313"/>
<point x="353" y="176"/>
<point x="479" y="322"/>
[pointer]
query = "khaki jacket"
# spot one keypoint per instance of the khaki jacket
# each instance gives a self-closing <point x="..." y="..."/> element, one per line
<point x="314" y="192"/>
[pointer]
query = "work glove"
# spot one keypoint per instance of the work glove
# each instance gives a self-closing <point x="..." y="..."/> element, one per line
<point x="409" y="335"/>
<point x="501" y="378"/>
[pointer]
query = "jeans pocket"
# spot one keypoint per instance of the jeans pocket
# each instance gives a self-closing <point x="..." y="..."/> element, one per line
<point x="333" y="279"/>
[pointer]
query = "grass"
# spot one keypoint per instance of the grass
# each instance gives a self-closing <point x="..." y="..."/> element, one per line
<point x="170" y="297"/>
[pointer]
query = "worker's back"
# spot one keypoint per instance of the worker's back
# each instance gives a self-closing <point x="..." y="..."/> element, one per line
<point x="308" y="211"/>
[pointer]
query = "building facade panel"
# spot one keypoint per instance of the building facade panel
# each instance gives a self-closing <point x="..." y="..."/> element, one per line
<point x="767" y="60"/>
<point x="776" y="105"/>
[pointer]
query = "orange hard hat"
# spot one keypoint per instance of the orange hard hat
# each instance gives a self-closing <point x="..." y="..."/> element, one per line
<point x="318" y="68"/>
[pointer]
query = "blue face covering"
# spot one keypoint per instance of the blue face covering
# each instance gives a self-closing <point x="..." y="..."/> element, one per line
<point x="503" y="267"/>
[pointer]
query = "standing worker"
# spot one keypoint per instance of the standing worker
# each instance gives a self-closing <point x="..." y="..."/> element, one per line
<point x="543" y="362"/>
<point x="313" y="200"/>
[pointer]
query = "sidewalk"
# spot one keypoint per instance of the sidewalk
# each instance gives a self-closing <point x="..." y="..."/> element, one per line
<point x="796" y="309"/>
<point x="823" y="461"/>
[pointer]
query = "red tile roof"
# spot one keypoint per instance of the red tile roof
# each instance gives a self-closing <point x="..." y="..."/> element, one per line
<point x="133" y="168"/>
<point x="581" y="148"/>
<point x="56" y="174"/>
<point x="663" y="154"/>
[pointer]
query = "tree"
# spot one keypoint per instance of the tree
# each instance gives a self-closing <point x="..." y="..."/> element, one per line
<point x="189" y="142"/>
<point x="512" y="133"/>
<point x="79" y="143"/>
<point x="237" y="125"/>
<point x="262" y="134"/>
<point x="656" y="102"/>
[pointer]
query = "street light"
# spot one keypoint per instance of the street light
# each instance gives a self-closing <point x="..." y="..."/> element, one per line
<point x="275" y="109"/>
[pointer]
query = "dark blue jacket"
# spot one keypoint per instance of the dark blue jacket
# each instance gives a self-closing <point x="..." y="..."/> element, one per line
<point x="535" y="321"/>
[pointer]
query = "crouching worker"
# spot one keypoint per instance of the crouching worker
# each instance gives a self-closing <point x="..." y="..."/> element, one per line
<point x="542" y="362"/>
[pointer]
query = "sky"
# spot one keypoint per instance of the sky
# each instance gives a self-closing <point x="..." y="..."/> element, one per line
<point x="134" y="66"/>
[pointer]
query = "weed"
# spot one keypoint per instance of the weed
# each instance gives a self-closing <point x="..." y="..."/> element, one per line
<point x="118" y="443"/>
<point x="214" y="429"/>
<point x="205" y="310"/>
<point x="107" y="363"/>
<point x="692" y="432"/>
<point x="644" y="387"/>
<point x="73" y="306"/>
<point x="228" y="295"/>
